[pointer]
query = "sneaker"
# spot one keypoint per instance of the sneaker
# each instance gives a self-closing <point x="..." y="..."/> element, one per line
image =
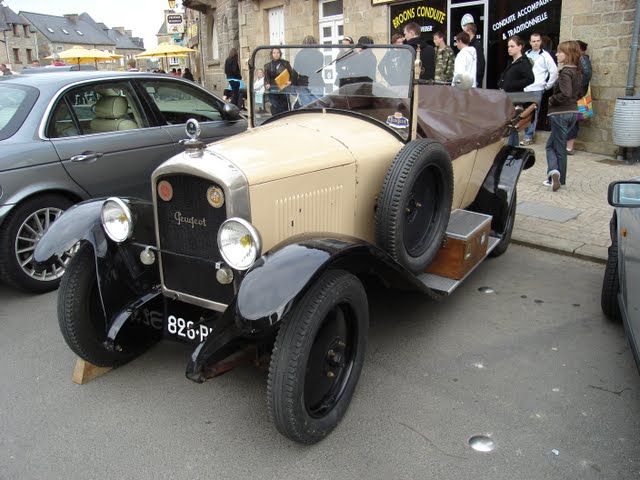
<point x="526" y="142"/>
<point x="555" y="180"/>
<point x="547" y="183"/>
<point x="570" y="152"/>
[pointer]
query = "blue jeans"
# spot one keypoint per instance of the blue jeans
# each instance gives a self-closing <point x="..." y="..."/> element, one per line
<point x="531" y="129"/>
<point x="514" y="139"/>
<point x="235" y="92"/>
<point x="557" y="143"/>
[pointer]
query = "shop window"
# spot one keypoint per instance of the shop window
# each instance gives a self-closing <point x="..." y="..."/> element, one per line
<point x="330" y="8"/>
<point x="212" y="35"/>
<point x="16" y="55"/>
<point x="276" y="26"/>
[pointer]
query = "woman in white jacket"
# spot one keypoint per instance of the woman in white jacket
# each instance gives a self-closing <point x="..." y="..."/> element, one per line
<point x="465" y="63"/>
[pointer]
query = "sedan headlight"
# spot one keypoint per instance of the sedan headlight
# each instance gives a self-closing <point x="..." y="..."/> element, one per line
<point x="239" y="243"/>
<point x="116" y="219"/>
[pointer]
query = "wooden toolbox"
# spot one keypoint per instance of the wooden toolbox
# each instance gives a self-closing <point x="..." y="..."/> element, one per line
<point x="465" y="244"/>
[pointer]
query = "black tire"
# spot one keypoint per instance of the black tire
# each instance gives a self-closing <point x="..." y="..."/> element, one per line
<point x="80" y="313"/>
<point x="504" y="242"/>
<point x="20" y="234"/>
<point x="611" y="283"/>
<point x="325" y="334"/>
<point x="414" y="204"/>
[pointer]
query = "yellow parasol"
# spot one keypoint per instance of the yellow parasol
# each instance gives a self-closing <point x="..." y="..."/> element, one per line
<point x="166" y="50"/>
<point x="78" y="54"/>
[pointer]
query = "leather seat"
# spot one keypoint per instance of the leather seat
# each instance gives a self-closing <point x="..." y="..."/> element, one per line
<point x="111" y="115"/>
<point x="62" y="124"/>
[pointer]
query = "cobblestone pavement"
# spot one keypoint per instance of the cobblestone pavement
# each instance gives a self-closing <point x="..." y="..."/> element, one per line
<point x="585" y="196"/>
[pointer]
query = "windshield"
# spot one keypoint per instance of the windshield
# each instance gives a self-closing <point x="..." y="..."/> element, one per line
<point x="374" y="81"/>
<point x="15" y="104"/>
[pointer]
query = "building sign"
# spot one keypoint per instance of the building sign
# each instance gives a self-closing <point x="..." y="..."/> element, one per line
<point x="175" y="23"/>
<point x="502" y="18"/>
<point x="430" y="15"/>
<point x="522" y="18"/>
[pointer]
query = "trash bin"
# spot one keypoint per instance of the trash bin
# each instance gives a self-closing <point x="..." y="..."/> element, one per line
<point x="626" y="122"/>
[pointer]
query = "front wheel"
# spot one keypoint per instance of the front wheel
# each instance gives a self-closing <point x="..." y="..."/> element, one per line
<point x="317" y="358"/>
<point x="80" y="313"/>
<point x="611" y="284"/>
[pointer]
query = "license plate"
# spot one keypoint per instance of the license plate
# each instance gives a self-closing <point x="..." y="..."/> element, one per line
<point x="177" y="328"/>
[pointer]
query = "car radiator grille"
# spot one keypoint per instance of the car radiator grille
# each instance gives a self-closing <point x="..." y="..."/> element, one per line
<point x="190" y="250"/>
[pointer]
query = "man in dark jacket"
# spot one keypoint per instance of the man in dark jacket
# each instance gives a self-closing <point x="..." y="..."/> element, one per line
<point x="427" y="52"/>
<point x="472" y="30"/>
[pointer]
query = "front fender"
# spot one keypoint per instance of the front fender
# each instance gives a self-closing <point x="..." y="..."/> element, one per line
<point x="497" y="191"/>
<point x="83" y="222"/>
<point x="279" y="279"/>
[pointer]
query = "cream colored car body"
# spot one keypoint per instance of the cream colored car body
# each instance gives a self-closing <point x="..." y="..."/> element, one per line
<point x="325" y="181"/>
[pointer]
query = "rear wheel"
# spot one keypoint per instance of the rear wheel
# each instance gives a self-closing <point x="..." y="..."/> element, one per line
<point x="317" y="358"/>
<point x="19" y="236"/>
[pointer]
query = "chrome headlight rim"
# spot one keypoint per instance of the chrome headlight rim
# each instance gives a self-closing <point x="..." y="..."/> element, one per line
<point x="255" y="238"/>
<point x="128" y="215"/>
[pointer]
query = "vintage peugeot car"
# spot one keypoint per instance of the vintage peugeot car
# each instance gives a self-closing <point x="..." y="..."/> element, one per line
<point x="271" y="238"/>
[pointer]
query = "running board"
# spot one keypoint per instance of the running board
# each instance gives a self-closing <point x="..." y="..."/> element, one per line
<point x="446" y="286"/>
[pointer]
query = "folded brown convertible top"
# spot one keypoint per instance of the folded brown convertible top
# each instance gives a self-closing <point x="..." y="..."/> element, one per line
<point x="463" y="120"/>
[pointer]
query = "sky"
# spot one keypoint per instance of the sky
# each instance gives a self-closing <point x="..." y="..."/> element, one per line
<point x="143" y="17"/>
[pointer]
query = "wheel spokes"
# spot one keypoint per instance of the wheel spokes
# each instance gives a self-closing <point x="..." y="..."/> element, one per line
<point x="29" y="234"/>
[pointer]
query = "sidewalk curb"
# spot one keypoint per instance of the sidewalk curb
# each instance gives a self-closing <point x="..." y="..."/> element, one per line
<point x="559" y="246"/>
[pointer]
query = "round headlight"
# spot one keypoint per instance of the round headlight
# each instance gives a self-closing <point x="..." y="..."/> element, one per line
<point x="116" y="219"/>
<point x="239" y="243"/>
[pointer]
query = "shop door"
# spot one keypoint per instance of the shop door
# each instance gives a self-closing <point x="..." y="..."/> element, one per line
<point x="469" y="12"/>
<point x="331" y="32"/>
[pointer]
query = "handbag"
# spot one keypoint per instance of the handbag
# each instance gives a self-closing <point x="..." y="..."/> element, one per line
<point x="585" y="106"/>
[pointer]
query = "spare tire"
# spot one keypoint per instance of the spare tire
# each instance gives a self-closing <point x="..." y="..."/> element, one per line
<point x="414" y="204"/>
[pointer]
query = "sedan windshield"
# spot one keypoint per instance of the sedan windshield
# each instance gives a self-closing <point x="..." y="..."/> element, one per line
<point x="15" y="104"/>
<point x="371" y="80"/>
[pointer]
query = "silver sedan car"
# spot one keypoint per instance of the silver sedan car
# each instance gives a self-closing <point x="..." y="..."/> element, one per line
<point x="70" y="136"/>
<point x="620" y="299"/>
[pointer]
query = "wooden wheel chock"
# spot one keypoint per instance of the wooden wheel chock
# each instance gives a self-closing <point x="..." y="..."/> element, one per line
<point x="84" y="371"/>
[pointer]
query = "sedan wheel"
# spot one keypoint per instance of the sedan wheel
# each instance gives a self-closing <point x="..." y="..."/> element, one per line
<point x="23" y="230"/>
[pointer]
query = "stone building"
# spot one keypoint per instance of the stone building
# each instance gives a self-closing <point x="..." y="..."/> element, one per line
<point x="606" y="25"/>
<point x="54" y="34"/>
<point x="19" y="45"/>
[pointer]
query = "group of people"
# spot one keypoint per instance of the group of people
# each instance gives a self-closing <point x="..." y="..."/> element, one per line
<point x="536" y="71"/>
<point x="439" y="62"/>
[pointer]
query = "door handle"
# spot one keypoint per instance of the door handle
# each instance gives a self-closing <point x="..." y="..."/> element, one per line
<point x="86" y="156"/>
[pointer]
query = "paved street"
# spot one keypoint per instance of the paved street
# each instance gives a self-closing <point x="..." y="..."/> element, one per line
<point x="534" y="365"/>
